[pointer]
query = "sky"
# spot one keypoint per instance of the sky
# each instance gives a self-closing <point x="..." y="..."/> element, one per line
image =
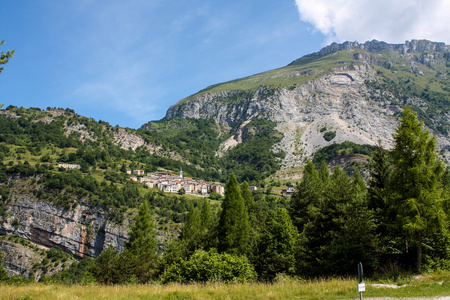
<point x="127" y="62"/>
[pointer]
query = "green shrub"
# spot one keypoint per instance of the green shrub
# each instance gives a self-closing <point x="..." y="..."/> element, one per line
<point x="210" y="266"/>
<point x="329" y="135"/>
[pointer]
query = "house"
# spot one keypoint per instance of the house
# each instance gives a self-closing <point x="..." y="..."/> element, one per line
<point x="138" y="172"/>
<point x="68" y="166"/>
<point x="219" y="189"/>
<point x="288" y="192"/>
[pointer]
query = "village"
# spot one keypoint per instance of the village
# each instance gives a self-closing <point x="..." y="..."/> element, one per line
<point x="170" y="183"/>
<point x="175" y="183"/>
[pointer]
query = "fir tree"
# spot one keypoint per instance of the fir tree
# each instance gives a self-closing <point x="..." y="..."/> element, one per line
<point x="277" y="246"/>
<point x="142" y="244"/>
<point x="233" y="223"/>
<point x="307" y="196"/>
<point x="191" y="235"/>
<point x="416" y="185"/>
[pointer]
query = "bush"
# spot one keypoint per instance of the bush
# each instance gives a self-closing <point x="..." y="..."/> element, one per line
<point x="210" y="266"/>
<point x="329" y="135"/>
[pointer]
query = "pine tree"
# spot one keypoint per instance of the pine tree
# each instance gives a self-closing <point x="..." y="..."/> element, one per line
<point x="307" y="196"/>
<point x="416" y="185"/>
<point x="233" y="223"/>
<point x="208" y="224"/>
<point x="277" y="246"/>
<point x="142" y="244"/>
<point x="254" y="225"/>
<point x="248" y="197"/>
<point x="191" y="234"/>
<point x="104" y="268"/>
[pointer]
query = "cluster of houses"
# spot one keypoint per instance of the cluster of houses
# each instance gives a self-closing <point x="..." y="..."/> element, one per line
<point x="174" y="183"/>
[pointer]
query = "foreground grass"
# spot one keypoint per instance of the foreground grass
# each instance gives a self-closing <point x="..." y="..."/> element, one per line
<point x="429" y="286"/>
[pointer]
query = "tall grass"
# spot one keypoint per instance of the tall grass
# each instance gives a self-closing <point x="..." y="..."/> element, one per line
<point x="284" y="288"/>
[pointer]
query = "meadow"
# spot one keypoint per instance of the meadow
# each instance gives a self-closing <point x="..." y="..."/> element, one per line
<point x="432" y="286"/>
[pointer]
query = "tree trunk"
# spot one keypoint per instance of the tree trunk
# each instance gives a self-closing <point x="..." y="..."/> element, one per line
<point x="419" y="252"/>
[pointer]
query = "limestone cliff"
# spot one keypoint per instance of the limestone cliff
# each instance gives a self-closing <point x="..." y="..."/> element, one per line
<point x="83" y="231"/>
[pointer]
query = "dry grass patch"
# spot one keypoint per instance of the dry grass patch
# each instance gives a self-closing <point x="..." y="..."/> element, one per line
<point x="284" y="288"/>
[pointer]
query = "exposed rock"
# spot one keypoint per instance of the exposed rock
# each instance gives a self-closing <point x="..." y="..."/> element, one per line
<point x="82" y="231"/>
<point x="18" y="259"/>
<point x="127" y="140"/>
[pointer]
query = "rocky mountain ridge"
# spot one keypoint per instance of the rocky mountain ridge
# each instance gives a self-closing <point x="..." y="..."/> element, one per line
<point x="375" y="46"/>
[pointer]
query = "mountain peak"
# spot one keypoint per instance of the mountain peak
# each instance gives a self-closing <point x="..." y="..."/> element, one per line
<point x="375" y="46"/>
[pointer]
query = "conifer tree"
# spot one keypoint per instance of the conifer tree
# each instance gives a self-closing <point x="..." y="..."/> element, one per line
<point x="277" y="246"/>
<point x="104" y="268"/>
<point x="416" y="185"/>
<point x="233" y="223"/>
<point x="208" y="224"/>
<point x="142" y="244"/>
<point x="248" y="196"/>
<point x="308" y="195"/>
<point x="254" y="225"/>
<point x="191" y="231"/>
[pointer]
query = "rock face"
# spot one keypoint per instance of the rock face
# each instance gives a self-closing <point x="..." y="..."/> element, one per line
<point x="83" y="231"/>
<point x="18" y="259"/>
<point x="127" y="140"/>
<point x="341" y="101"/>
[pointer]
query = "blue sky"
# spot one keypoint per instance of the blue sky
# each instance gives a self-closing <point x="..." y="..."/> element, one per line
<point x="127" y="62"/>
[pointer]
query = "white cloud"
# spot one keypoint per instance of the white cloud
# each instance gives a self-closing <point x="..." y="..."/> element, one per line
<point x="393" y="21"/>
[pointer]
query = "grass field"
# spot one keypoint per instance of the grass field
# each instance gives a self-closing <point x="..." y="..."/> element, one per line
<point x="429" y="286"/>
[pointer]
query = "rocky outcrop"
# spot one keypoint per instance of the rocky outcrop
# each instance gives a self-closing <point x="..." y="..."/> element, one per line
<point x="127" y="140"/>
<point x="18" y="259"/>
<point x="83" y="231"/>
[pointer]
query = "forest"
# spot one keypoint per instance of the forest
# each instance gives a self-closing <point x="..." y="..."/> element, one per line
<point x="396" y="222"/>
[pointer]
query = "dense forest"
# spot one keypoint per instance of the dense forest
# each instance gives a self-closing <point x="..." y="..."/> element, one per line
<point x="395" y="223"/>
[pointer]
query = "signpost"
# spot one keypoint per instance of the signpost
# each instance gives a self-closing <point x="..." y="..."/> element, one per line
<point x="361" y="284"/>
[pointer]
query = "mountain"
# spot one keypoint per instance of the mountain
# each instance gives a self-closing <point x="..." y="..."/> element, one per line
<point x="345" y="92"/>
